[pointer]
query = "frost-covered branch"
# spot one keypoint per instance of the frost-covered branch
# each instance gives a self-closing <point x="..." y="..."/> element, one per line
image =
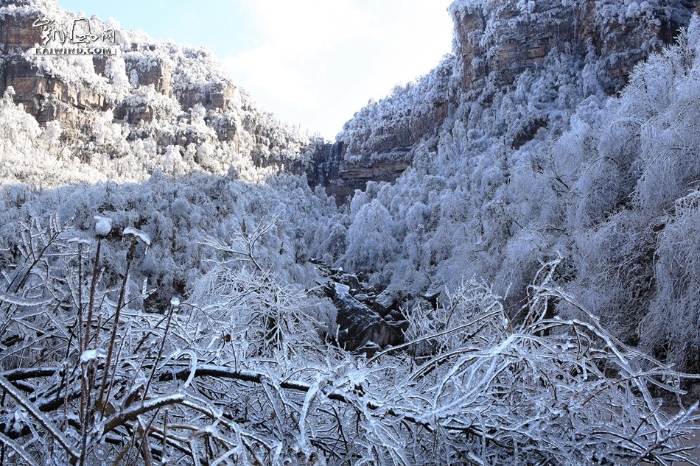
<point x="201" y="381"/>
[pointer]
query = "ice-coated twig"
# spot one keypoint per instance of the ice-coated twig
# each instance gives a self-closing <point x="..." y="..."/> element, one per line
<point x="40" y="417"/>
<point x="18" y="449"/>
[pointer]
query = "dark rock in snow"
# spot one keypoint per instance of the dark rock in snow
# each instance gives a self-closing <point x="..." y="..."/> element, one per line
<point x="359" y="327"/>
<point x="432" y="297"/>
<point x="341" y="176"/>
<point x="351" y="281"/>
<point x="384" y="303"/>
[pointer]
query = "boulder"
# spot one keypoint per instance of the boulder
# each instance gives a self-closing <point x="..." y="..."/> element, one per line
<point x="359" y="327"/>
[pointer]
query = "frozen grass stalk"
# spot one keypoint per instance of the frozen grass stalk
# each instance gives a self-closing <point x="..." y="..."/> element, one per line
<point x="115" y="327"/>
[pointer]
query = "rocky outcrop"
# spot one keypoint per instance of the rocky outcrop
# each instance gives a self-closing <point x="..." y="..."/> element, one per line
<point x="342" y="177"/>
<point x="17" y="33"/>
<point x="376" y="145"/>
<point x="43" y="95"/>
<point x="359" y="327"/>
<point x="366" y="322"/>
<point x="496" y="41"/>
<point x="179" y="97"/>
<point x="46" y="97"/>
<point x="156" y="72"/>
<point x="216" y="96"/>
<point x="500" y="39"/>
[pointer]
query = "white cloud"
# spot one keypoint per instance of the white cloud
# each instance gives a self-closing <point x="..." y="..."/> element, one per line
<point x="305" y="27"/>
<point x="318" y="61"/>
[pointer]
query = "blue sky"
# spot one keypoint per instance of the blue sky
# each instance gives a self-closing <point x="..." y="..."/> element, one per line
<point x="311" y="62"/>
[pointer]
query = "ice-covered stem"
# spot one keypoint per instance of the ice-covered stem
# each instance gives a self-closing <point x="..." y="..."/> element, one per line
<point x="81" y="332"/>
<point x="88" y="372"/>
<point x="40" y="417"/>
<point x="136" y="410"/>
<point x="115" y="325"/>
<point x="17" y="448"/>
<point x="91" y="304"/>
<point x="174" y="303"/>
<point x="31" y="252"/>
<point x="86" y="382"/>
<point x="165" y="433"/>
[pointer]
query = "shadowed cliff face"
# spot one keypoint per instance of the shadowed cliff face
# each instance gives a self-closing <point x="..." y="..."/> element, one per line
<point x="497" y="41"/>
<point x="378" y="143"/>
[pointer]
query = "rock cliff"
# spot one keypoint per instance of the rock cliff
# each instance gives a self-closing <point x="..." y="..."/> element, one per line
<point x="178" y="101"/>
<point x="496" y="42"/>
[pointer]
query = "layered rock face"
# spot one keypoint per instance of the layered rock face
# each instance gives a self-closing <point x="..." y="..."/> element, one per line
<point x="161" y="92"/>
<point x="496" y="41"/>
<point x="341" y="176"/>
<point x="43" y="95"/>
<point x="145" y="65"/>
<point x="377" y="144"/>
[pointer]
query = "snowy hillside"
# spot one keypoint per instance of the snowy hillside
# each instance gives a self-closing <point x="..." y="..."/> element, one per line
<point x="550" y="164"/>
<point x="155" y="105"/>
<point x="509" y="274"/>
